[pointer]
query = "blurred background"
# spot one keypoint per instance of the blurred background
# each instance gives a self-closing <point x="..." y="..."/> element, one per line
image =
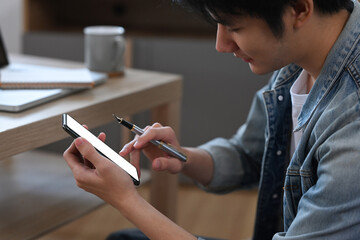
<point x="217" y="93"/>
<point x="164" y="37"/>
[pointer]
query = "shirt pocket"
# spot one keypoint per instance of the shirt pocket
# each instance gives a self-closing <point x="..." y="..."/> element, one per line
<point x="297" y="183"/>
<point x="292" y="191"/>
<point x="307" y="180"/>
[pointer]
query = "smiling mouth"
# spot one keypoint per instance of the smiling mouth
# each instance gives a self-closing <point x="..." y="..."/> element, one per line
<point x="248" y="60"/>
<point x="245" y="59"/>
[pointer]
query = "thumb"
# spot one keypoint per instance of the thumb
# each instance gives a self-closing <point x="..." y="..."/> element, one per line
<point x="172" y="165"/>
<point x="87" y="150"/>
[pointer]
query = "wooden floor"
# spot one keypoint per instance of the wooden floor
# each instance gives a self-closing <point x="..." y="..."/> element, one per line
<point x="228" y="216"/>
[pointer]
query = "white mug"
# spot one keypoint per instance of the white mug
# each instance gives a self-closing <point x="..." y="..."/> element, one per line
<point x="105" y="48"/>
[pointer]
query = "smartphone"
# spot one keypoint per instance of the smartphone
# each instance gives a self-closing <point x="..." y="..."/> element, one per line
<point x="75" y="129"/>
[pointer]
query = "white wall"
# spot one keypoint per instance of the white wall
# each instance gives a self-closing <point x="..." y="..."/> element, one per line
<point x="11" y="23"/>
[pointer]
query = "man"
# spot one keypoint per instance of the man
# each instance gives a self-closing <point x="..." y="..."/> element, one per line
<point x="301" y="138"/>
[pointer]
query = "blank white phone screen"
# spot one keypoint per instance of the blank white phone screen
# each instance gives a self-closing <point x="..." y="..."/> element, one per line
<point x="102" y="147"/>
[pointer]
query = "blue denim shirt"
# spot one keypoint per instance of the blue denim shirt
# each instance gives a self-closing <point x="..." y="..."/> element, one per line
<point x="321" y="195"/>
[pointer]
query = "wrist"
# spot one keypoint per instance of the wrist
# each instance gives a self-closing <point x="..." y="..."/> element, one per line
<point x="199" y="165"/>
<point x="186" y="165"/>
<point x="125" y="201"/>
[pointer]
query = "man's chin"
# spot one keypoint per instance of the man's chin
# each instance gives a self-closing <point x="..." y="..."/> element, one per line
<point x="260" y="70"/>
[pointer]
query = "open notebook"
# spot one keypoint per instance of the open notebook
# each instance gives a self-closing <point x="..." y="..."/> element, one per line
<point x="16" y="100"/>
<point x="26" y="78"/>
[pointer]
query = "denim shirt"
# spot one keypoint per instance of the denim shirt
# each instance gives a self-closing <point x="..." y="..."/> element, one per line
<point x="319" y="185"/>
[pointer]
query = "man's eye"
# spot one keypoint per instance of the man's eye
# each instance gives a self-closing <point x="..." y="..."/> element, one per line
<point x="235" y="29"/>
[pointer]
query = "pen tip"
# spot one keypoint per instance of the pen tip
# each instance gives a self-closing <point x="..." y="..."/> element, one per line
<point x="117" y="118"/>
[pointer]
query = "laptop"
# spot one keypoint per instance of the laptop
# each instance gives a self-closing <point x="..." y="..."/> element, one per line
<point x="17" y="100"/>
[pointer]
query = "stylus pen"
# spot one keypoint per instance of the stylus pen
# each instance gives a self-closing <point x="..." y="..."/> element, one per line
<point x="163" y="146"/>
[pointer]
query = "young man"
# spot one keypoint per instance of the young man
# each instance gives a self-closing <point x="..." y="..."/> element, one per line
<point x="300" y="143"/>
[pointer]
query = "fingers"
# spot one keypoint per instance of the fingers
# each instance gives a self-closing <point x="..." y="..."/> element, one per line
<point x="88" y="151"/>
<point x="105" y="181"/>
<point x="160" y="159"/>
<point x="78" y="157"/>
<point x="81" y="169"/>
<point x="102" y="136"/>
<point x="128" y="148"/>
<point x="72" y="156"/>
<point x="158" y="132"/>
<point x="89" y="164"/>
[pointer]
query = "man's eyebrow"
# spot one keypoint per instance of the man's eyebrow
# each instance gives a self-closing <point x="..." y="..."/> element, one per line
<point x="217" y="19"/>
<point x="228" y="21"/>
<point x="221" y="21"/>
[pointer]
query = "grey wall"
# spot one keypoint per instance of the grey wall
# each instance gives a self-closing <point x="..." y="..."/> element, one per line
<point x="218" y="88"/>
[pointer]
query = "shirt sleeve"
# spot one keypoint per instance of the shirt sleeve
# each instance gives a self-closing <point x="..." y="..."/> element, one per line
<point x="237" y="161"/>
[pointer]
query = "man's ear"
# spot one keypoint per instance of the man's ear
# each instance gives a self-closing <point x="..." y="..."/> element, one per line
<point x="302" y="11"/>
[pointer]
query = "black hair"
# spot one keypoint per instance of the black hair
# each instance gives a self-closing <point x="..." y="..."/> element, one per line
<point x="270" y="10"/>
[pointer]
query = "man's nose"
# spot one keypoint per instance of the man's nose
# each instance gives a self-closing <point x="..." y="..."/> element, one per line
<point x="224" y="41"/>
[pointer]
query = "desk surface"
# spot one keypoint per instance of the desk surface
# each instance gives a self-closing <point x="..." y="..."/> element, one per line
<point x="137" y="90"/>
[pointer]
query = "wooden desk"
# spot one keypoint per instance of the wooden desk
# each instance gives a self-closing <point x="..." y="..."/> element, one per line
<point x="136" y="91"/>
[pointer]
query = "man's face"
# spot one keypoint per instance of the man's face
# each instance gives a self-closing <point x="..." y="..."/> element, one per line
<point x="252" y="40"/>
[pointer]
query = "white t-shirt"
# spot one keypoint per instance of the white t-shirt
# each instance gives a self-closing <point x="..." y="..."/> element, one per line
<point x="298" y="93"/>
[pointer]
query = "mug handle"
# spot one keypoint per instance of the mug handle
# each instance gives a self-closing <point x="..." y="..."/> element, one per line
<point x="120" y="50"/>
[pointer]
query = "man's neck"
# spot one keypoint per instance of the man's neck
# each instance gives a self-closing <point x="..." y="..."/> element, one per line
<point x="321" y="37"/>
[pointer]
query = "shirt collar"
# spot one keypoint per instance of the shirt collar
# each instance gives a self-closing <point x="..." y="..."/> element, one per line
<point x="339" y="56"/>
